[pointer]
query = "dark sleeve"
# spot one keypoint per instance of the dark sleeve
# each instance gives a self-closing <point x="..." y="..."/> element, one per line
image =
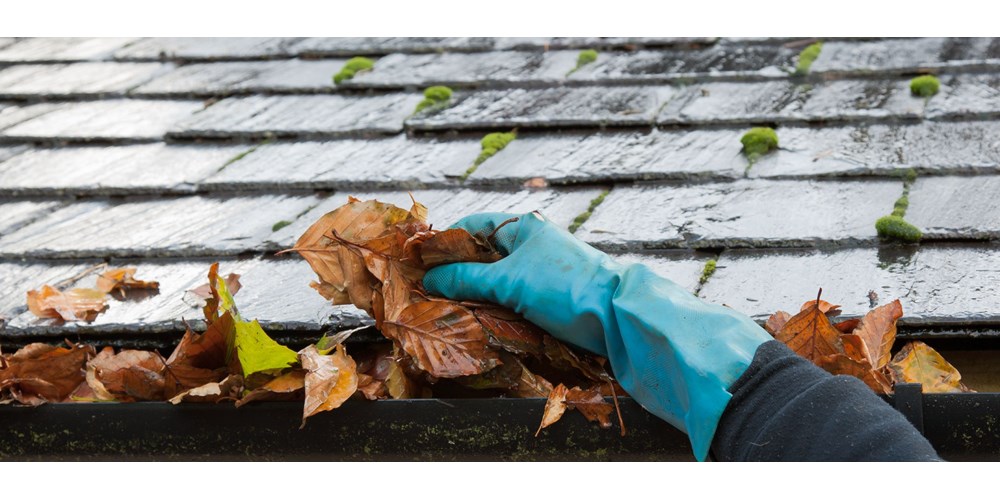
<point x="786" y="408"/>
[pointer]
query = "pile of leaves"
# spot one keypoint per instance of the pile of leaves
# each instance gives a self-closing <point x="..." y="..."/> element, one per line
<point x="862" y="347"/>
<point x="374" y="255"/>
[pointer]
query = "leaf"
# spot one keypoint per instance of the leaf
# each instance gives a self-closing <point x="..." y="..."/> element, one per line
<point x="878" y="330"/>
<point x="398" y="383"/>
<point x="39" y="373"/>
<point x="591" y="404"/>
<point x="201" y="359"/>
<point x="848" y="325"/>
<point x="509" y="331"/>
<point x="919" y="363"/>
<point x="130" y="375"/>
<point x="776" y="321"/>
<point x="202" y="295"/>
<point x="831" y="310"/>
<point x="212" y="392"/>
<point x="258" y="353"/>
<point x="810" y="334"/>
<point x="531" y="385"/>
<point x="288" y="386"/>
<point x="78" y="304"/>
<point x="841" y="364"/>
<point x="565" y="359"/>
<point x="329" y="381"/>
<point x="455" y="245"/>
<point x="123" y="279"/>
<point x="555" y="406"/>
<point x="443" y="338"/>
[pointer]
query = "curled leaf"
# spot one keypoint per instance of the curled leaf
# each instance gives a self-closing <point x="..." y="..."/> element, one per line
<point x="555" y="406"/>
<point x="329" y="381"/>
<point x="77" y="304"/>
<point x="918" y="363"/>
<point x="878" y="330"/>
<point x="39" y="373"/>
<point x="122" y="279"/>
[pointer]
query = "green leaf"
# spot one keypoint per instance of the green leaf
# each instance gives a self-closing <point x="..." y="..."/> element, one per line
<point x="258" y="353"/>
<point x="226" y="302"/>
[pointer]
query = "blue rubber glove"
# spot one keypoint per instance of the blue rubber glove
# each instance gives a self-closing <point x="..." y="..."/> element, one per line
<point x="674" y="353"/>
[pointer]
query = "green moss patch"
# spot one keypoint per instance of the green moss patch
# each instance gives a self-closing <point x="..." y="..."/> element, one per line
<point x="352" y="67"/>
<point x="491" y="144"/>
<point x="894" y="227"/>
<point x="807" y="57"/>
<point x="925" y="86"/>
<point x="435" y="97"/>
<point x="758" y="142"/>
<point x="580" y="219"/>
<point x="280" y="225"/>
<point x="707" y="271"/>
<point x="584" y="58"/>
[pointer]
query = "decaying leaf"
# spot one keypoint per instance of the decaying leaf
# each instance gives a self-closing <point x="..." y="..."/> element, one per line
<point x="39" y="373"/>
<point x="77" y="304"/>
<point x="831" y="310"/>
<point x="841" y="364"/>
<point x="878" y="330"/>
<point x="130" y="375"/>
<point x="122" y="279"/>
<point x="443" y="338"/>
<point x="917" y="362"/>
<point x="329" y="381"/>
<point x="227" y="389"/>
<point x="201" y="359"/>
<point x="555" y="406"/>
<point x="455" y="245"/>
<point x="288" y="386"/>
<point x="591" y="404"/>
<point x="810" y="334"/>
<point x="776" y="321"/>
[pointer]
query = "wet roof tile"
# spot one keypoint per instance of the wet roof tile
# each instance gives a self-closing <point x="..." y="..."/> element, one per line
<point x="79" y="79"/>
<point x="62" y="49"/>
<point x="224" y="78"/>
<point x="101" y="120"/>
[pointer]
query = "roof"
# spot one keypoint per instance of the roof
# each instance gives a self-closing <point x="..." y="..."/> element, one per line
<point x="169" y="154"/>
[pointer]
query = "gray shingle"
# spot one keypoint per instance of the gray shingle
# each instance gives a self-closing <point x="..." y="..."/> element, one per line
<point x="556" y="107"/>
<point x="956" y="207"/>
<point x="315" y="116"/>
<point x="8" y="152"/>
<point x="600" y="42"/>
<point x="347" y="47"/>
<point x="17" y="278"/>
<point x="108" y="170"/>
<point x="207" y="48"/>
<point x="224" y="78"/>
<point x="13" y="115"/>
<point x="102" y="120"/>
<point x="187" y="226"/>
<point x="904" y="55"/>
<point x="936" y="284"/>
<point x="786" y="102"/>
<point x="456" y="69"/>
<point x="19" y="213"/>
<point x="564" y="159"/>
<point x="739" y="214"/>
<point x="361" y="164"/>
<point x="966" y="96"/>
<point x="62" y="49"/>
<point x="662" y="66"/>
<point x="80" y="79"/>
<point x="683" y="268"/>
<point x="447" y="206"/>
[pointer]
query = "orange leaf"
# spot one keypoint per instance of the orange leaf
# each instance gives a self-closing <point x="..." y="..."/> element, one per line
<point x="130" y="375"/>
<point x="591" y="404"/>
<point x="288" y="386"/>
<point x="78" y="304"/>
<point x="840" y="364"/>
<point x="919" y="363"/>
<point x="878" y="330"/>
<point x="39" y="373"/>
<point x="227" y="389"/>
<point x="443" y="338"/>
<point x="776" y="321"/>
<point x="555" y="406"/>
<point x="455" y="245"/>
<point x="810" y="334"/>
<point x="825" y="307"/>
<point x="122" y="279"/>
<point x="330" y="380"/>
<point x="848" y="325"/>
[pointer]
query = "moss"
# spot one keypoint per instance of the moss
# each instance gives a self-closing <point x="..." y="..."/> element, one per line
<point x="909" y="176"/>
<point x="807" y="57"/>
<point x="434" y="97"/>
<point x="707" y="271"/>
<point x="580" y="219"/>
<point x="353" y="66"/>
<point x="280" y="224"/>
<point x="894" y="227"/>
<point x="759" y="141"/>
<point x="584" y="58"/>
<point x="925" y="86"/>
<point x="899" y="208"/>
<point x="491" y="144"/>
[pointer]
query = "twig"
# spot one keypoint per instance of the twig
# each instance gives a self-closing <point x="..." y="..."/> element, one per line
<point x="489" y="238"/>
<point x="618" y="410"/>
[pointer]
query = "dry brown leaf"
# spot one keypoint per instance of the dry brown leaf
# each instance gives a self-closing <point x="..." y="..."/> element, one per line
<point x="288" y="386"/>
<point x="848" y="325"/>
<point x="555" y="406"/>
<point x="130" y="375"/>
<point x="591" y="404"/>
<point x="531" y="385"/>
<point x="443" y="338"/>
<point x="810" y="334"/>
<point x="201" y="359"/>
<point x="841" y="364"/>
<point x="330" y="380"/>
<point x="77" y="304"/>
<point x="455" y="245"/>
<point x="918" y="363"/>
<point x="122" y="279"/>
<point x="776" y="321"/>
<point x="854" y="348"/>
<point x="825" y="307"/>
<point x="228" y="388"/>
<point x="39" y="373"/>
<point x="878" y="330"/>
<point x="508" y="331"/>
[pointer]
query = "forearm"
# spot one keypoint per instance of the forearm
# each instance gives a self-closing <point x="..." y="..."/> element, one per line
<point x="785" y="408"/>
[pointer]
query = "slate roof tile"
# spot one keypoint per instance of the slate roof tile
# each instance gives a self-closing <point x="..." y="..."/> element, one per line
<point x="73" y="80"/>
<point x="938" y="285"/>
<point x="908" y="55"/>
<point x="966" y="96"/>
<point x="305" y="117"/>
<point x="482" y="69"/>
<point x="956" y="207"/>
<point x="19" y="213"/>
<point x="110" y="120"/>
<point x="189" y="48"/>
<point x="228" y="78"/>
<point x="397" y="162"/>
<point x="99" y="170"/>
<point x="658" y="66"/>
<point x="347" y="47"/>
<point x="741" y="214"/>
<point x="62" y="49"/>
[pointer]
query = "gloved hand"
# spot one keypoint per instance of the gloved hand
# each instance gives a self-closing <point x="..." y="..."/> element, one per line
<point x="674" y="353"/>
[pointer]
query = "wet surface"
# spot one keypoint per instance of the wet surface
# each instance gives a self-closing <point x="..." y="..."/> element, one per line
<point x="227" y="78"/>
<point x="956" y="207"/>
<point x="62" y="49"/>
<point x="81" y="79"/>
<point x="101" y="120"/>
